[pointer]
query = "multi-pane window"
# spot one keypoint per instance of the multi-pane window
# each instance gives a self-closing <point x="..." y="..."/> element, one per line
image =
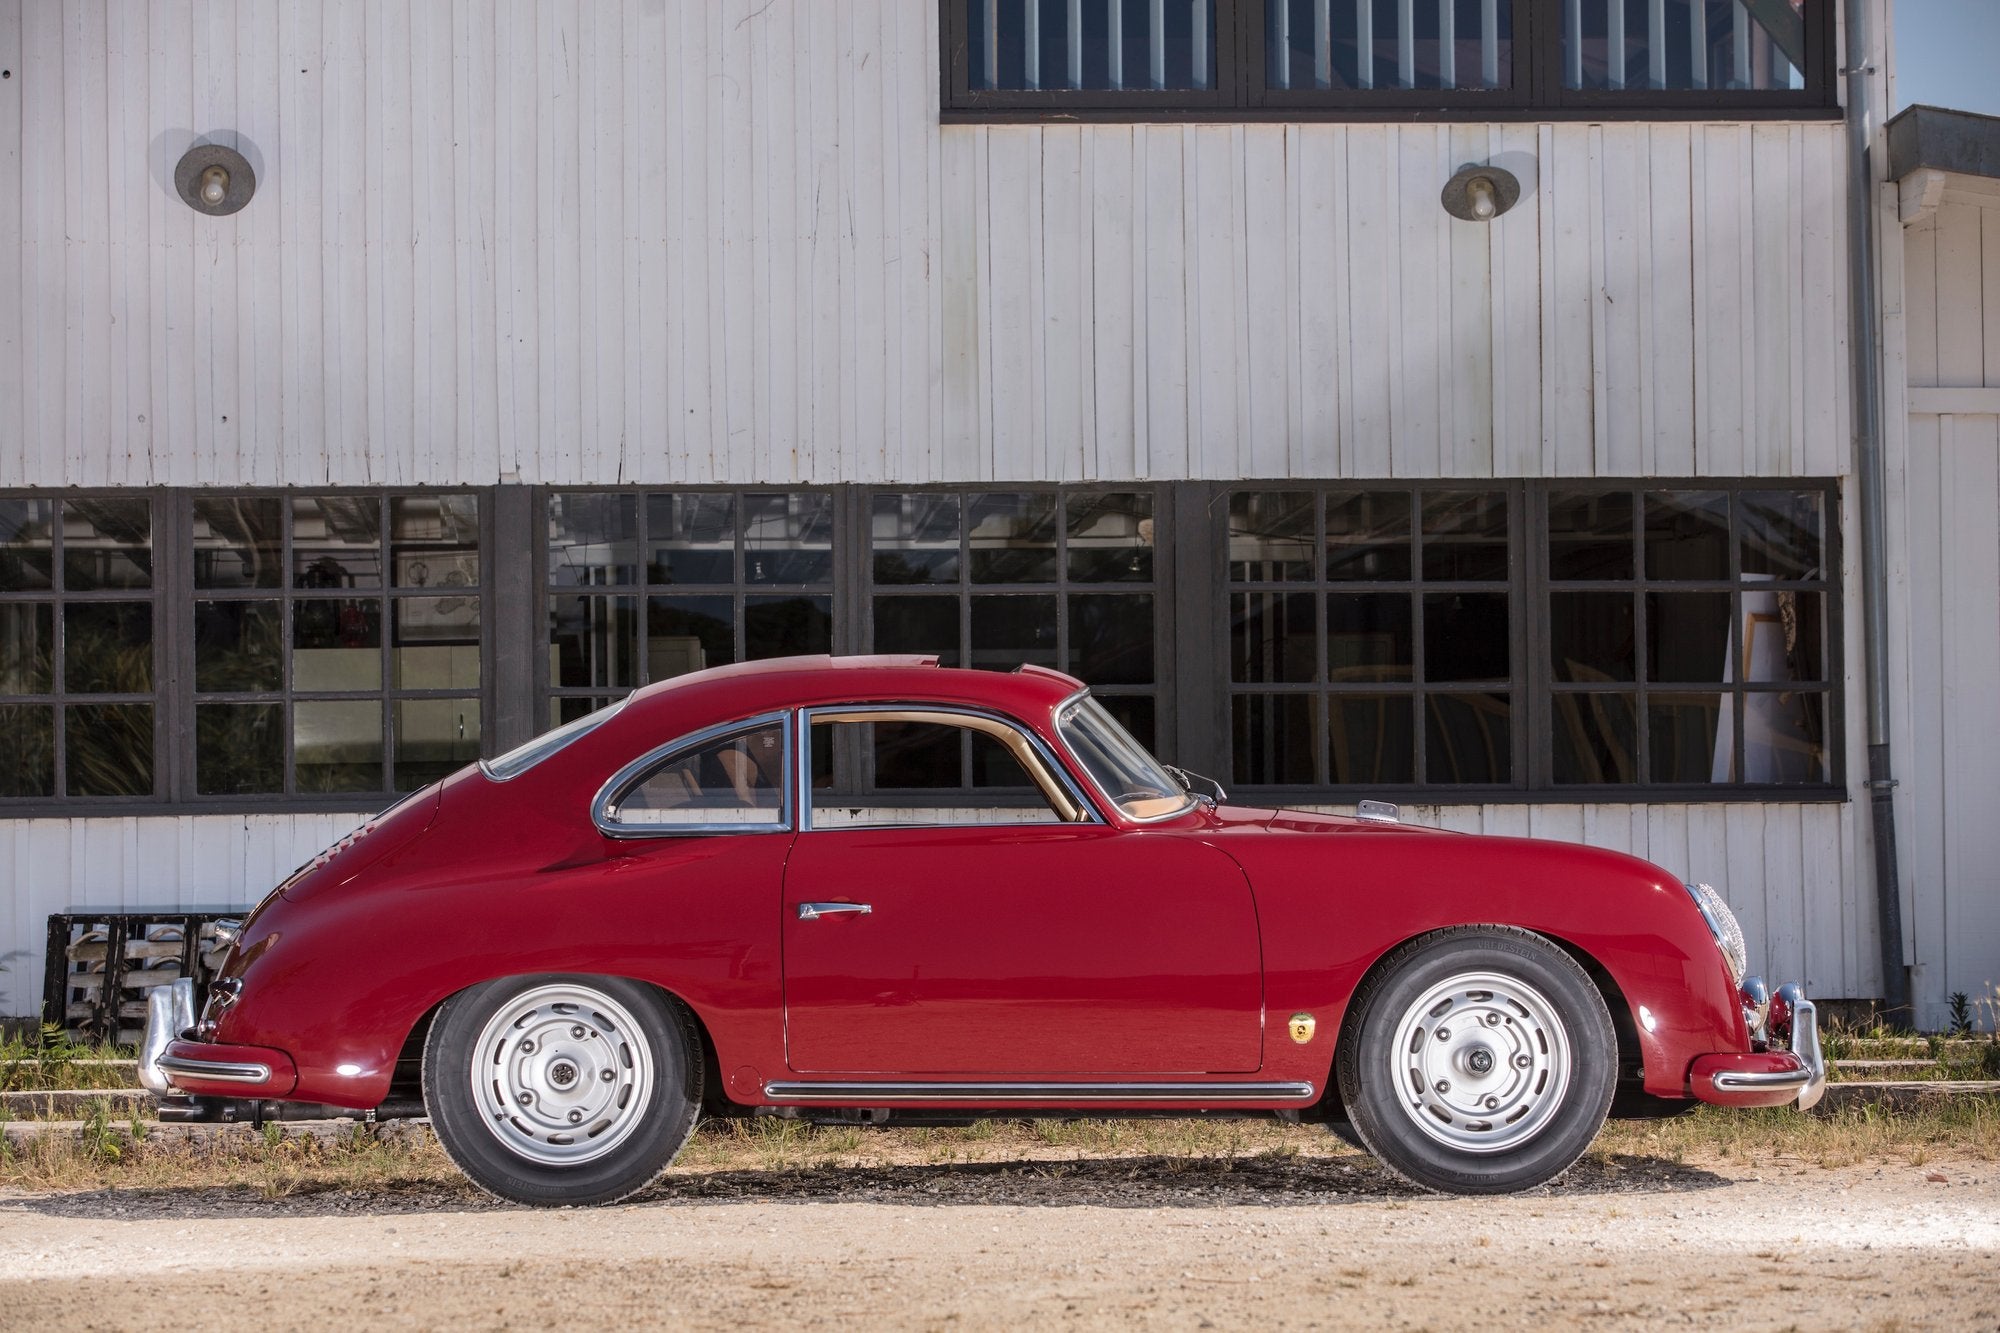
<point x="996" y="578"/>
<point x="1371" y="637"/>
<point x="1689" y="637"/>
<point x="79" y="673"/>
<point x="645" y="586"/>
<point x="1478" y="58"/>
<point x="337" y="641"/>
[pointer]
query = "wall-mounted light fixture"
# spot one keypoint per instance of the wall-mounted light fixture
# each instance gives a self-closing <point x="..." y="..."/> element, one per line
<point x="1478" y="193"/>
<point x="214" y="180"/>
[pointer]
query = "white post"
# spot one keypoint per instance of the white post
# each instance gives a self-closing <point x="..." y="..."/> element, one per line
<point x="1198" y="21"/>
<point x="1739" y="42"/>
<point x="1614" y="42"/>
<point x="989" y="19"/>
<point x="1364" y="41"/>
<point x="1656" y="44"/>
<point x="1114" y="28"/>
<point x="1074" y="36"/>
<point x="1698" y="44"/>
<point x="1447" y="44"/>
<point x="1031" y="41"/>
<point x="1156" y="43"/>
<point x="1573" y="42"/>
<point x="1406" y="44"/>
<point x="1323" y="44"/>
<point x="1489" y="44"/>
<point x="1281" y="43"/>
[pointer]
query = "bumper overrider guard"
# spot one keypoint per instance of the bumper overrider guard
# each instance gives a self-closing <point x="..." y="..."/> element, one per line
<point x="1785" y="1068"/>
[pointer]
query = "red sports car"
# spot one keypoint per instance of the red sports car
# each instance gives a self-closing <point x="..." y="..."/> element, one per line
<point x="874" y="888"/>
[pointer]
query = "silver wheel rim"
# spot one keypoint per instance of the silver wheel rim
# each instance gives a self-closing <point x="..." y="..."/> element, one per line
<point x="1481" y="1062"/>
<point x="562" y="1074"/>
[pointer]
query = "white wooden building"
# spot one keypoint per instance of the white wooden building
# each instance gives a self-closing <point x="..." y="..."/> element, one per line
<point x="824" y="261"/>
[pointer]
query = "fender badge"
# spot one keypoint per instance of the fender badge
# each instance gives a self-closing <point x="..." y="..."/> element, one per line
<point x="1301" y="1027"/>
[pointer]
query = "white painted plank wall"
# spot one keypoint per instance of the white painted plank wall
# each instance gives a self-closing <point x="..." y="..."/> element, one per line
<point x="727" y="240"/>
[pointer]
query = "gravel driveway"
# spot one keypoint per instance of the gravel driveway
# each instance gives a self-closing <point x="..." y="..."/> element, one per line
<point x="1323" y="1241"/>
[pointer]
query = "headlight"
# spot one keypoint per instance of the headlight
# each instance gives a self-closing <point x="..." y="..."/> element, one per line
<point x="1723" y="925"/>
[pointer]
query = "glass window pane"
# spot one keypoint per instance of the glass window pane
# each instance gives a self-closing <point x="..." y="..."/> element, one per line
<point x="1687" y="535"/>
<point x="1691" y="737"/>
<point x="915" y="538"/>
<point x="1687" y="638"/>
<point x="691" y="538"/>
<point x="915" y="754"/>
<point x="108" y="647"/>
<point x="688" y="633"/>
<point x="27" y="544"/>
<point x="1783" y="533"/>
<point x="108" y="749"/>
<point x="787" y="538"/>
<point x="1134" y="712"/>
<point x="336" y="541"/>
<point x="1368" y="536"/>
<point x="107" y="543"/>
<point x="434" y="739"/>
<point x="1350" y="45"/>
<point x="1468" y="738"/>
<point x="27" y="648"/>
<point x="1596" y="738"/>
<point x="437" y="642"/>
<point x="1637" y="45"/>
<point x="239" y="749"/>
<point x="1369" y="637"/>
<point x="994" y="765"/>
<point x="1111" y="537"/>
<point x="1111" y="638"/>
<point x="337" y="745"/>
<point x="1465" y="535"/>
<point x="1273" y="738"/>
<point x="918" y="625"/>
<point x="239" y="646"/>
<point x="1271" y="536"/>
<point x="568" y="708"/>
<point x="1593" y="636"/>
<point x="439" y="520"/>
<point x="786" y="626"/>
<point x="238" y="542"/>
<point x="1371" y="738"/>
<point x="1466" y="636"/>
<point x="1013" y="538"/>
<point x="1784" y="737"/>
<point x="28" y="739"/>
<point x="1104" y="45"/>
<point x="1011" y="631"/>
<point x="593" y="539"/>
<point x="1784" y="635"/>
<point x="737" y="780"/>
<point x="1273" y="636"/>
<point x="1590" y="535"/>
<point x="593" y="639"/>
<point x="337" y="644"/>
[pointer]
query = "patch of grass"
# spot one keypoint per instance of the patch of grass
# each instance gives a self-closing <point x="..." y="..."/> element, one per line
<point x="294" y="1165"/>
<point x="1964" y="1127"/>
<point x="50" y="1060"/>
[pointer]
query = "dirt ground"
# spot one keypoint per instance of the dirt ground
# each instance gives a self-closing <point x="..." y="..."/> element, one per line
<point x="1303" y="1241"/>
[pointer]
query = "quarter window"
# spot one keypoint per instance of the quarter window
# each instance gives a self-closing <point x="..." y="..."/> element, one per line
<point x="735" y="782"/>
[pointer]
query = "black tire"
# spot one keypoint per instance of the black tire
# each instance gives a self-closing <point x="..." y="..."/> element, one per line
<point x="1541" y="1001"/>
<point x="522" y="1158"/>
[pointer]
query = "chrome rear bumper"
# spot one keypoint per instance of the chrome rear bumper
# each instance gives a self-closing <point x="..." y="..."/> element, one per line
<point x="169" y="1013"/>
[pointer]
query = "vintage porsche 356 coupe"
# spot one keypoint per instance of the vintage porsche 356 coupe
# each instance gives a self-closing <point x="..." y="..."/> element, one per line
<point x="877" y="889"/>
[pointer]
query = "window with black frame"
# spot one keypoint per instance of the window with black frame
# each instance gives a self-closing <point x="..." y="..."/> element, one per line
<point x="79" y="672"/>
<point x="993" y="579"/>
<point x="1370" y="637"/>
<point x="337" y="641"/>
<point x="644" y="586"/>
<point x="1689" y="637"/>
<point x="1112" y="58"/>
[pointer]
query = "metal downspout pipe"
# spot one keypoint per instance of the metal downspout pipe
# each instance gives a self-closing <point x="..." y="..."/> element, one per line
<point x="1867" y="369"/>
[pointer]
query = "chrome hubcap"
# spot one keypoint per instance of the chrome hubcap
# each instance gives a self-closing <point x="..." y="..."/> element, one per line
<point x="1482" y="1061"/>
<point x="562" y="1074"/>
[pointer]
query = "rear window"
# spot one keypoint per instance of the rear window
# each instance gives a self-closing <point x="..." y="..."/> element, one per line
<point x="524" y="757"/>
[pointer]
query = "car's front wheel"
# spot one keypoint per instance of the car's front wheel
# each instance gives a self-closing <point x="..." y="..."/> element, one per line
<point x="561" y="1090"/>
<point x="1482" y="1061"/>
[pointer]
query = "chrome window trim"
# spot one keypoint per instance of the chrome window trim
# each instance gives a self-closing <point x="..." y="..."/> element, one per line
<point x="1079" y="697"/>
<point x="600" y="805"/>
<point x="597" y="717"/>
<point x="1041" y="750"/>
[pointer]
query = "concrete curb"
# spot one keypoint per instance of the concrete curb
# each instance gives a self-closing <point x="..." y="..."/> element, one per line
<point x="68" y="1102"/>
<point x="236" y="1133"/>
<point x="1906" y="1096"/>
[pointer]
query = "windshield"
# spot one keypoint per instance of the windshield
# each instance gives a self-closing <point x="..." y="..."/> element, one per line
<point x="1120" y="766"/>
<point x="522" y="758"/>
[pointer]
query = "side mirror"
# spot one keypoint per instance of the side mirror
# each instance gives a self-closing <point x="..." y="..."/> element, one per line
<point x="1207" y="789"/>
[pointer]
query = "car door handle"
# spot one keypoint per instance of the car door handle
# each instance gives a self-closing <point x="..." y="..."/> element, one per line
<point x="814" y="911"/>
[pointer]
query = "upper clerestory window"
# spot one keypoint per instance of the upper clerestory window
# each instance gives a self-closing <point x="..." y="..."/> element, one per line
<point x="1386" y="59"/>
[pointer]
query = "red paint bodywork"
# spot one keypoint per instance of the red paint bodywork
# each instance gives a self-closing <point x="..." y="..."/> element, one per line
<point x="1107" y="951"/>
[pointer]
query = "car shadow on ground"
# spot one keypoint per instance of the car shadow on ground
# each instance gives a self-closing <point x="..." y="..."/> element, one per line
<point x="1122" y="1182"/>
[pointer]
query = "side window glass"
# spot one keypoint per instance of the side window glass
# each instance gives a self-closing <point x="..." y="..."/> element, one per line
<point x="735" y="782"/>
<point x="915" y="758"/>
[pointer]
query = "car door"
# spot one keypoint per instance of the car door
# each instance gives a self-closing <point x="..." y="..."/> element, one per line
<point x="1014" y="943"/>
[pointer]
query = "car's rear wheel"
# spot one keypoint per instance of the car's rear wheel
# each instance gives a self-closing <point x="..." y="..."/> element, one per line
<point x="562" y="1090"/>
<point x="1482" y="1061"/>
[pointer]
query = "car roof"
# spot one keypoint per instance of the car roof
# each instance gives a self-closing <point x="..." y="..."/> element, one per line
<point x="718" y="693"/>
